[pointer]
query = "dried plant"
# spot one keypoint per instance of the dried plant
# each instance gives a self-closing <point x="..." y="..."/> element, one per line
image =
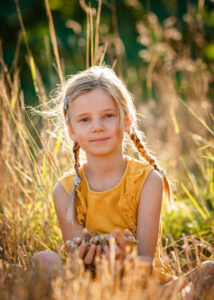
<point x="29" y="170"/>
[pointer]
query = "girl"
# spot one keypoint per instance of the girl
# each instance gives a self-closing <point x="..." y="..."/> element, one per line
<point x="110" y="192"/>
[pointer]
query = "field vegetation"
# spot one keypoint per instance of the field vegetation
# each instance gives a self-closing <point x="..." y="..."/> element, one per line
<point x="178" y="121"/>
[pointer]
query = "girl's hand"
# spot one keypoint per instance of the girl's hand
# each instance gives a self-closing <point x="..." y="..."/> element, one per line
<point x="71" y="245"/>
<point x="88" y="256"/>
<point x="120" y="251"/>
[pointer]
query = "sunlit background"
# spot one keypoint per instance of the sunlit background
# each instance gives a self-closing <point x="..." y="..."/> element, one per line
<point x="164" y="51"/>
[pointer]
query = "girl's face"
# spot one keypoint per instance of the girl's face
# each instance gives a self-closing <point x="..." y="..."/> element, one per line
<point x="95" y="123"/>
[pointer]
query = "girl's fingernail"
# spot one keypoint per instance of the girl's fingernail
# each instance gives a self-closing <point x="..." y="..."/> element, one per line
<point x="77" y="240"/>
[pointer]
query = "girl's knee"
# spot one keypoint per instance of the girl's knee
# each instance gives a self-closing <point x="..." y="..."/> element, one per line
<point x="206" y="273"/>
<point x="47" y="261"/>
<point x="208" y="265"/>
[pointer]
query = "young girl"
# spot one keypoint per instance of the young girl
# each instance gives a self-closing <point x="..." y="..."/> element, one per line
<point x="110" y="192"/>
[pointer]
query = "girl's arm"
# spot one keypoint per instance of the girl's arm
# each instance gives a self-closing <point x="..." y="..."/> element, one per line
<point x="148" y="219"/>
<point x="69" y="231"/>
<point x="61" y="199"/>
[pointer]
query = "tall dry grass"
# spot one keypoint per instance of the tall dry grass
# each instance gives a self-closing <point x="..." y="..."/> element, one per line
<point x="31" y="164"/>
<point x="179" y="124"/>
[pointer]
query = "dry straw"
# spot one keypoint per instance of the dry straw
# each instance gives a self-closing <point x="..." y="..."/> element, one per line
<point x="28" y="173"/>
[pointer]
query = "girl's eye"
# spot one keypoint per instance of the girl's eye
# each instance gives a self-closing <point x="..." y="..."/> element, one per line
<point x="84" y="120"/>
<point x="107" y="116"/>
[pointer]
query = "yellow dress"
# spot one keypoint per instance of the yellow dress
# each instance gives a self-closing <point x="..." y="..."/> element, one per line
<point x="115" y="208"/>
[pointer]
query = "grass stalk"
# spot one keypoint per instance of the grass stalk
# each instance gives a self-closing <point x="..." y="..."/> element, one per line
<point x="197" y="117"/>
<point x="97" y="31"/>
<point x="87" y="40"/>
<point x="31" y="59"/>
<point x="91" y="34"/>
<point x="53" y="39"/>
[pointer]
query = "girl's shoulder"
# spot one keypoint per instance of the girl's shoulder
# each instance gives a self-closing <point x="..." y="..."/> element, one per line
<point x="138" y="170"/>
<point x="67" y="181"/>
<point x="139" y="167"/>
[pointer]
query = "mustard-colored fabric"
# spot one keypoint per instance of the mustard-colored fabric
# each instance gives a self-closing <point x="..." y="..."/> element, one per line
<point x="115" y="208"/>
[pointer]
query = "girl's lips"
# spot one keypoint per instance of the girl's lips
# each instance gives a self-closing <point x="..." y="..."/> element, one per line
<point x="100" y="140"/>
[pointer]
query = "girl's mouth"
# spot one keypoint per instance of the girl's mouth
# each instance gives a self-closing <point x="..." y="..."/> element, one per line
<point x="99" y="140"/>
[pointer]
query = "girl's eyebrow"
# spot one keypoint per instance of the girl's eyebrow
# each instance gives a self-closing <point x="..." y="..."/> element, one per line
<point x="88" y="113"/>
<point x="83" y="114"/>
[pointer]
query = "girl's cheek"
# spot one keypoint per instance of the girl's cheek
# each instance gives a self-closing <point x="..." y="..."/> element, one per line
<point x="80" y="127"/>
<point x="114" y="123"/>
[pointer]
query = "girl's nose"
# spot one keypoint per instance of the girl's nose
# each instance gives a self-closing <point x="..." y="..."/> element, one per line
<point x="97" y="125"/>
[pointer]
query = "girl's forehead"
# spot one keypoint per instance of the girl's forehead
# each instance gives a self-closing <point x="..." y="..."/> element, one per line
<point x="94" y="99"/>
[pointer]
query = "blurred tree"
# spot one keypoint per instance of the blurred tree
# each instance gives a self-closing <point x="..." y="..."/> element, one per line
<point x="195" y="20"/>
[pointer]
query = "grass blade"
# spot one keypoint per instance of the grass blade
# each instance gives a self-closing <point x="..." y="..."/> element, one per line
<point x="197" y="117"/>
<point x="203" y="214"/>
<point x="53" y="39"/>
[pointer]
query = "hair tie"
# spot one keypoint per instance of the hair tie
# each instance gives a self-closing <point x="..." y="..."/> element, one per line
<point x="163" y="173"/>
<point x="77" y="180"/>
<point x="65" y="103"/>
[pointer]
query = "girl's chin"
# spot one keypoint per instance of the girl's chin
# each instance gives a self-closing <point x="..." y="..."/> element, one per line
<point x="100" y="152"/>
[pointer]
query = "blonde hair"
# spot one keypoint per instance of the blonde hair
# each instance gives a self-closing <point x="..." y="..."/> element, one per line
<point x="105" y="78"/>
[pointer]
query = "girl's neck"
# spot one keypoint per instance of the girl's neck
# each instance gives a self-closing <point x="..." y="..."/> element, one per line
<point x="104" y="173"/>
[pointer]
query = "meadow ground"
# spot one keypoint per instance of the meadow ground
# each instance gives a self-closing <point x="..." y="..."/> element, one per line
<point x="180" y="132"/>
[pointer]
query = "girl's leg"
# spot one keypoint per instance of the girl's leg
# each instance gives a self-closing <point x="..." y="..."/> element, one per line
<point x="197" y="284"/>
<point x="47" y="262"/>
<point x="201" y="282"/>
<point x="46" y="266"/>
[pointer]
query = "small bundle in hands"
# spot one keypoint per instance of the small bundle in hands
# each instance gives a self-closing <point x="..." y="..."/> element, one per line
<point x="93" y="237"/>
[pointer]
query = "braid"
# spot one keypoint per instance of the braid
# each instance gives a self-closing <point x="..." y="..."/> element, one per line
<point x="71" y="204"/>
<point x="143" y="151"/>
<point x="76" y="151"/>
<point x="151" y="160"/>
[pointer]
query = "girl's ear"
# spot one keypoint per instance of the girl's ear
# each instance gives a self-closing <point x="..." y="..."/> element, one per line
<point x="72" y="134"/>
<point x="127" y="124"/>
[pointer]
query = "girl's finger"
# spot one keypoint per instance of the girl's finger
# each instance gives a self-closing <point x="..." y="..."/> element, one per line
<point x="98" y="250"/>
<point x="90" y="255"/>
<point x="121" y="241"/>
<point x="117" y="252"/>
<point x="127" y="232"/>
<point x="77" y="240"/>
<point x="82" y="249"/>
<point x="107" y="251"/>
